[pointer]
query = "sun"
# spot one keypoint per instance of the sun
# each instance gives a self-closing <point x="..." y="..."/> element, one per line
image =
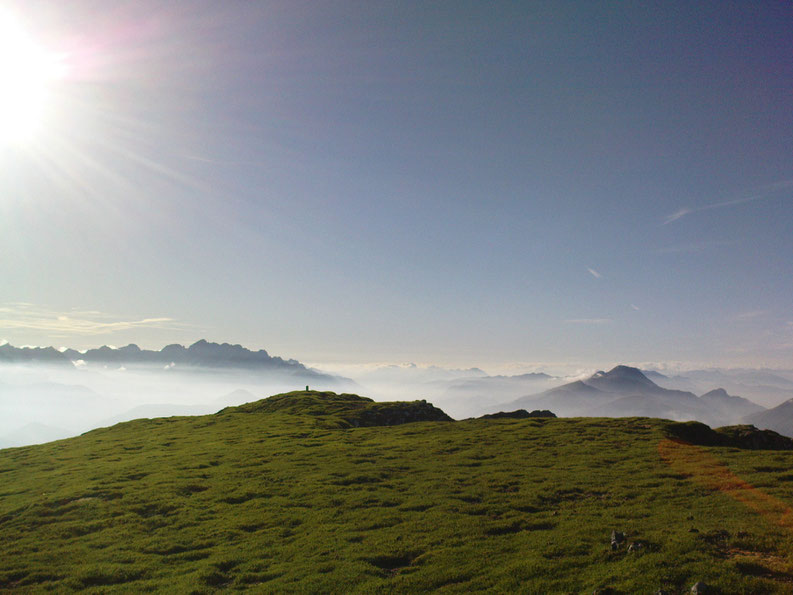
<point x="27" y="75"/>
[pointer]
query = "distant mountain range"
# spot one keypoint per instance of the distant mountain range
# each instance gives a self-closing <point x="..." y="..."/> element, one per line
<point x="201" y="354"/>
<point x="626" y="392"/>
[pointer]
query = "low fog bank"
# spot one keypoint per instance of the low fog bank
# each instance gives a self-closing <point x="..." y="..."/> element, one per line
<point x="40" y="403"/>
<point x="461" y="393"/>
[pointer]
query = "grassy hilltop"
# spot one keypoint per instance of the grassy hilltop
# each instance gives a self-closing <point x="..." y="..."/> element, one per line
<point x="315" y="492"/>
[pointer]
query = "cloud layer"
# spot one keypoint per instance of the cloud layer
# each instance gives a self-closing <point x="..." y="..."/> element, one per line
<point x="21" y="315"/>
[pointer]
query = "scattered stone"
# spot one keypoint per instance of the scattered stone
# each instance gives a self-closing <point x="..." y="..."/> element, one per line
<point x="635" y="546"/>
<point x="617" y="537"/>
<point x="693" y="530"/>
<point x="700" y="587"/>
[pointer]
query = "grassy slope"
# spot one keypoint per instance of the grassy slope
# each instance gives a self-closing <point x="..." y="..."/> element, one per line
<point x="275" y="501"/>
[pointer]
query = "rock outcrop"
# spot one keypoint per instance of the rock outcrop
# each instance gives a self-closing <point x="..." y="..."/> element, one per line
<point x="743" y="436"/>
<point x="518" y="414"/>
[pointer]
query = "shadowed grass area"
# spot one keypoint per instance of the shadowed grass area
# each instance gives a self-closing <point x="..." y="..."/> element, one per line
<point x="286" y="495"/>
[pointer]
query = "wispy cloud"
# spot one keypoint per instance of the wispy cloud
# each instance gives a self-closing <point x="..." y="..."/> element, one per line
<point x="635" y="307"/>
<point x="594" y="273"/>
<point x="763" y="193"/>
<point x="588" y="321"/>
<point x="88" y="322"/>
<point x="750" y="315"/>
<point x="677" y="215"/>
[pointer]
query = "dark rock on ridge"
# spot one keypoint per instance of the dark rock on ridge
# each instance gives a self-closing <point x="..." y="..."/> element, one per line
<point x="518" y="414"/>
<point x="396" y="413"/>
<point x="743" y="436"/>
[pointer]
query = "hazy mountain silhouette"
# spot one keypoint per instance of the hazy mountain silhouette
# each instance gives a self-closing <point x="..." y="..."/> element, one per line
<point x="766" y="387"/>
<point x="778" y="419"/>
<point x="22" y="355"/>
<point x="486" y="383"/>
<point x="572" y="399"/>
<point x="729" y="405"/>
<point x="654" y="375"/>
<point x="474" y="396"/>
<point x="624" y="391"/>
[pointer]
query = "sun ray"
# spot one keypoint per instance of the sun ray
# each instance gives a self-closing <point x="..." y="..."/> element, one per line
<point x="27" y="73"/>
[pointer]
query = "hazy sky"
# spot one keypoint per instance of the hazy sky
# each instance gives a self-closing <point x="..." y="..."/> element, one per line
<point x="455" y="182"/>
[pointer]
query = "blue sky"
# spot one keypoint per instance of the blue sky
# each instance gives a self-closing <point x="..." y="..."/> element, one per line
<point x="464" y="183"/>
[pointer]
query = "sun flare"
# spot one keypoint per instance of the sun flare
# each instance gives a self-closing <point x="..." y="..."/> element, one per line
<point x="27" y="75"/>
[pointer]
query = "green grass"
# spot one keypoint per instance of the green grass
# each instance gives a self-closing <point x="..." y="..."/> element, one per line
<point x="271" y="499"/>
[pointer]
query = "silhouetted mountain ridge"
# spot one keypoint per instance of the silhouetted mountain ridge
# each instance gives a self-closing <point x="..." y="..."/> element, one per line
<point x="201" y="354"/>
<point x="18" y="355"/>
